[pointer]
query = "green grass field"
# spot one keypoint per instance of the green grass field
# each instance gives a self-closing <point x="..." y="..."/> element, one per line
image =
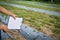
<point x="37" y="20"/>
<point x="35" y="6"/>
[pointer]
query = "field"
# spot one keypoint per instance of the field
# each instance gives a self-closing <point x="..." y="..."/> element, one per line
<point x="48" y="24"/>
<point x="39" y="5"/>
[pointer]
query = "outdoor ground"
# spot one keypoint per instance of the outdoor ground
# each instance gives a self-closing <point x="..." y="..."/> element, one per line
<point x="48" y="24"/>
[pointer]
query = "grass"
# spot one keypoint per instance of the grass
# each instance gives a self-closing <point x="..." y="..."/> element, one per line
<point x="37" y="20"/>
<point x="35" y="6"/>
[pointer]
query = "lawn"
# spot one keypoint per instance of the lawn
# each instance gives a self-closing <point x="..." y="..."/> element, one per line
<point x="38" y="5"/>
<point x="39" y="21"/>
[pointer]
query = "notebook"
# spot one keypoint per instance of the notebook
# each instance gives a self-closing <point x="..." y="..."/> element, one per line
<point x="14" y="23"/>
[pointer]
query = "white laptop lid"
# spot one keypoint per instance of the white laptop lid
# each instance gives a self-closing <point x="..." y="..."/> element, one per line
<point x="14" y="23"/>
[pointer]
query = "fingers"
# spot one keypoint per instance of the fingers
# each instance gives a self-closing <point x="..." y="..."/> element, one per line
<point x="14" y="16"/>
<point x="4" y="27"/>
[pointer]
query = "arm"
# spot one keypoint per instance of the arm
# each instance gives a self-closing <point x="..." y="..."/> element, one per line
<point x="3" y="10"/>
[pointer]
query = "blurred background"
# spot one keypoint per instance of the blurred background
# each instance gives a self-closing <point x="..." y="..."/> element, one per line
<point x="43" y="15"/>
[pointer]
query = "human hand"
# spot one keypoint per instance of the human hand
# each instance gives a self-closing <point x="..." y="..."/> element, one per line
<point x="3" y="27"/>
<point x="14" y="16"/>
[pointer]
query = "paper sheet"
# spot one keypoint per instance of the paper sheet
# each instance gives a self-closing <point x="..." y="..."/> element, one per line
<point x="14" y="23"/>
